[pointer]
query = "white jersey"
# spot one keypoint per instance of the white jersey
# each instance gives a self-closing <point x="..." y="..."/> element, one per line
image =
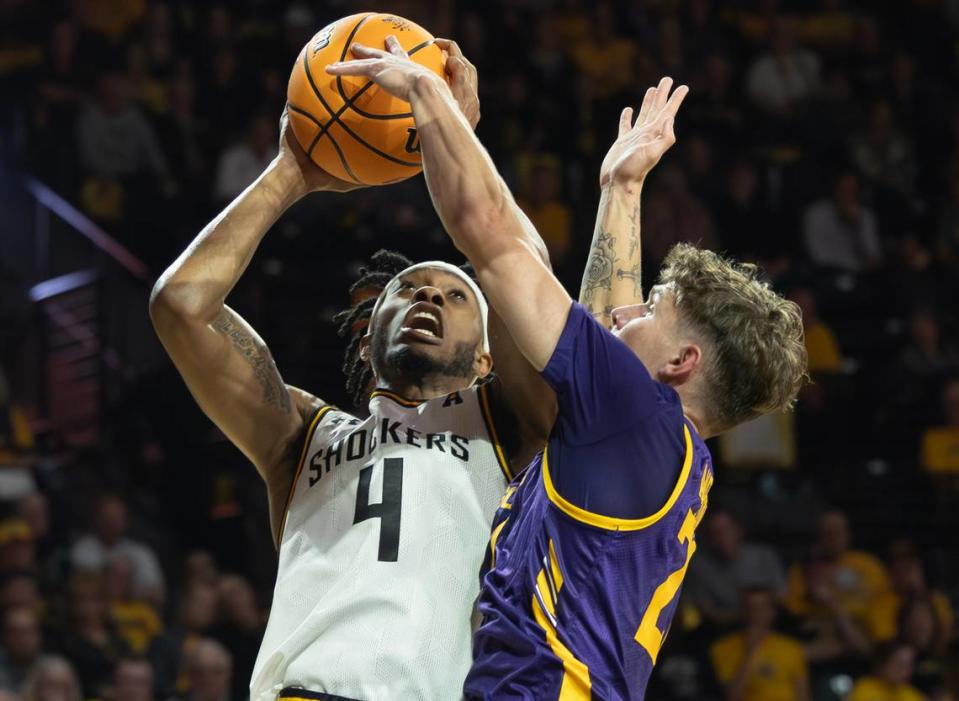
<point x="385" y="532"/>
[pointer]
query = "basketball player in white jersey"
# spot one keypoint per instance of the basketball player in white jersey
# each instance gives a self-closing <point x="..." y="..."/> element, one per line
<point x="381" y="523"/>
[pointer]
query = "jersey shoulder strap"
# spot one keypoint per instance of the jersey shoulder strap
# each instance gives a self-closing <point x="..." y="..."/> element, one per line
<point x="324" y="415"/>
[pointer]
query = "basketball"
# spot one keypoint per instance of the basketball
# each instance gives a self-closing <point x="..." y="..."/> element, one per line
<point x="349" y="126"/>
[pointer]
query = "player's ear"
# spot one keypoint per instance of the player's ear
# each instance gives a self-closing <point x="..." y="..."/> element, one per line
<point x="680" y="367"/>
<point x="365" y="348"/>
<point x="482" y="364"/>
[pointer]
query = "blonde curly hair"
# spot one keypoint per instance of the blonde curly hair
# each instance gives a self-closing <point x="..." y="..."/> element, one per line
<point x="756" y="357"/>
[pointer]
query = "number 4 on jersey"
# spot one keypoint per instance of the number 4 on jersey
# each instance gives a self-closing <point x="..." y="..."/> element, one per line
<point x="389" y="508"/>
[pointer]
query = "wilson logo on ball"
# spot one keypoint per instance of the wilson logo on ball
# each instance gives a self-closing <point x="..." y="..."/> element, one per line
<point x="412" y="141"/>
<point x="349" y="126"/>
<point x="323" y="38"/>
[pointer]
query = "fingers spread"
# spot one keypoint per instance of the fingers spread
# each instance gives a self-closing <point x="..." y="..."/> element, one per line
<point x="648" y="99"/>
<point x="676" y="99"/>
<point x="361" y="51"/>
<point x="625" y="120"/>
<point x="668" y="132"/>
<point x="365" y="66"/>
<point x="662" y="93"/>
<point x="394" y="47"/>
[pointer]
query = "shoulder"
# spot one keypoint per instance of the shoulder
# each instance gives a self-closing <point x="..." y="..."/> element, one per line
<point x="865" y="688"/>
<point x="310" y="410"/>
<point x="727" y="645"/>
<point x="861" y="560"/>
<point x="725" y="654"/>
<point x="785" y="646"/>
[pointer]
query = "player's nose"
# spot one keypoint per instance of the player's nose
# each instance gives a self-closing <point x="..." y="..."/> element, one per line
<point x="623" y="315"/>
<point x="428" y="293"/>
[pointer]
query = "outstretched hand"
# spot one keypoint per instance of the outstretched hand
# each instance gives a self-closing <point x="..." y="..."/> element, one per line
<point x="305" y="176"/>
<point x="640" y="144"/>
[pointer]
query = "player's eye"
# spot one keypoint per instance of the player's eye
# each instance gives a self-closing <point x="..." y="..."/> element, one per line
<point x="404" y="285"/>
<point x="458" y="294"/>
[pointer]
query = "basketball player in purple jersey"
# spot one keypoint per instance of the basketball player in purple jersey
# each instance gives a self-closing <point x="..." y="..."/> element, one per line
<point x="591" y="543"/>
<point x="344" y="545"/>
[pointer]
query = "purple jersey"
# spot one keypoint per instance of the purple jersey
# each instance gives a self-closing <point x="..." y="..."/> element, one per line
<point x="578" y="591"/>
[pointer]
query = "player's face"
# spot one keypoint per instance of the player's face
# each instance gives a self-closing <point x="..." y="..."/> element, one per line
<point x="429" y="322"/>
<point x="650" y="329"/>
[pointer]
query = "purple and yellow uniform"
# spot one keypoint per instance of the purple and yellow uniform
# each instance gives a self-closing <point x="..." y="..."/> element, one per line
<point x="590" y="546"/>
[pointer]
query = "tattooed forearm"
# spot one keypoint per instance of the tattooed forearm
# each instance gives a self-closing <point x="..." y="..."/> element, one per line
<point x="258" y="356"/>
<point x="636" y="276"/>
<point x="634" y="235"/>
<point x="598" y="278"/>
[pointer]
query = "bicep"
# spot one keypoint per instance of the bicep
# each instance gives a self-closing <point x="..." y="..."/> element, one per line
<point x="231" y="374"/>
<point x="529" y="398"/>
<point x="531" y="302"/>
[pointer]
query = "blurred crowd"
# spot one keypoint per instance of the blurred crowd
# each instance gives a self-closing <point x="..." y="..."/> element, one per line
<point x="820" y="140"/>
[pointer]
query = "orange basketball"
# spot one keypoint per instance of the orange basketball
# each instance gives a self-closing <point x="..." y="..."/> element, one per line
<point x="349" y="126"/>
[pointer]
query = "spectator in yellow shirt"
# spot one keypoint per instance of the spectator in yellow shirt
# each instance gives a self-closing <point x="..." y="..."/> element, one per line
<point x="602" y="55"/>
<point x="822" y="349"/>
<point x="16" y="438"/>
<point x="757" y="663"/>
<point x="908" y="584"/>
<point x="940" y="444"/>
<point x="890" y="678"/>
<point x="544" y="207"/>
<point x="855" y="578"/>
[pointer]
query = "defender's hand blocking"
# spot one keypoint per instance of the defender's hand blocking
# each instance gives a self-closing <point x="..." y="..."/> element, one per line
<point x="640" y="145"/>
<point x="304" y="176"/>
<point x="392" y="70"/>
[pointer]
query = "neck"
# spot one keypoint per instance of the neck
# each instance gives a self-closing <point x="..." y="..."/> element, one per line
<point x="424" y="388"/>
<point x="695" y="415"/>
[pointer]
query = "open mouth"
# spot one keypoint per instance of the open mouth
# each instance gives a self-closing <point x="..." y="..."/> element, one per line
<point x="424" y="322"/>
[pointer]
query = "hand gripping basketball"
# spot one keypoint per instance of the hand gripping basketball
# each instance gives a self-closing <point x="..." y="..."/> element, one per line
<point x="392" y="69"/>
<point x="304" y="176"/>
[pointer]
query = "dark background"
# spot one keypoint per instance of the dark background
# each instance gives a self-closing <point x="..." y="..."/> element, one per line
<point x="819" y="140"/>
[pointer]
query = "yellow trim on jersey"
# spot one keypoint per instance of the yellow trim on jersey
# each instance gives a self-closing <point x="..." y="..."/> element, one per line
<point x="576" y="684"/>
<point x="402" y="401"/>
<point x="492" y="542"/>
<point x="554" y="567"/>
<point x="320" y="413"/>
<point x="609" y="522"/>
<point x="483" y="393"/>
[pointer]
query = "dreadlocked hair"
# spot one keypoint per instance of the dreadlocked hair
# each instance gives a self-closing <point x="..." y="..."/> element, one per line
<point x="382" y="267"/>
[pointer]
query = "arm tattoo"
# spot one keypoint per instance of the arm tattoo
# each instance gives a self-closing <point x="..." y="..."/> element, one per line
<point x="636" y="273"/>
<point x="635" y="276"/>
<point x="258" y="356"/>
<point x="603" y="315"/>
<point x="599" y="268"/>
<point x="634" y="234"/>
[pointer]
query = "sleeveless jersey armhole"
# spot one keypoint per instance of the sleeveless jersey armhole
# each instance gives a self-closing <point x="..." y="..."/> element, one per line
<point x="502" y="433"/>
<point x="310" y="431"/>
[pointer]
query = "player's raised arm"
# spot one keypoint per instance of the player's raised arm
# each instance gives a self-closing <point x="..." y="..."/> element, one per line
<point x="474" y="204"/>
<point x="223" y="361"/>
<point x="529" y="401"/>
<point x="613" y="271"/>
